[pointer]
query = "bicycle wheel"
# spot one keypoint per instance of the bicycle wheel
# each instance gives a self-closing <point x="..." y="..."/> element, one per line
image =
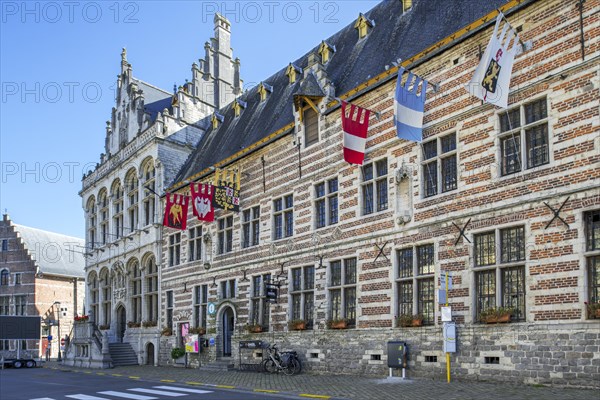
<point x="269" y="366"/>
<point x="291" y="367"/>
<point x="299" y="366"/>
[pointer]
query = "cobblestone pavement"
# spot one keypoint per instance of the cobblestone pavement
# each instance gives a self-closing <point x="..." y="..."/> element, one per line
<point x="342" y="387"/>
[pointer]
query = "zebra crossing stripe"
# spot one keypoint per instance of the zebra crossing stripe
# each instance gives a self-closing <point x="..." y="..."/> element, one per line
<point x="85" y="397"/>
<point x="182" y="389"/>
<point x="158" y="392"/>
<point x="127" y="395"/>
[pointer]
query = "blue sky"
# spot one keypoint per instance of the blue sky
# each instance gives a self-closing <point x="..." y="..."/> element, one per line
<point x="58" y="67"/>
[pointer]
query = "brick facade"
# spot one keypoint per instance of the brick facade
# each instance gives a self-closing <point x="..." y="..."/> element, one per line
<point x="39" y="290"/>
<point x="485" y="199"/>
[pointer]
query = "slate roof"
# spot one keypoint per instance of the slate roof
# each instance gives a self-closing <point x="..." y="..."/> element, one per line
<point x="155" y="99"/>
<point x="53" y="253"/>
<point x="395" y="35"/>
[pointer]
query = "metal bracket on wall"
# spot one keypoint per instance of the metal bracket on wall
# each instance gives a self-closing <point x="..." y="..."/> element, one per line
<point x="462" y="232"/>
<point x="557" y="213"/>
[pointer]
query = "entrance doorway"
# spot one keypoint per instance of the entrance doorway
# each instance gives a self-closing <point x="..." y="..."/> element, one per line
<point x="228" y="325"/>
<point x="150" y="354"/>
<point x="121" y="323"/>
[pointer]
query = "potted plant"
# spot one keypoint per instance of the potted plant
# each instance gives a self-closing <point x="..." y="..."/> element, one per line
<point x="409" y="320"/>
<point x="177" y="353"/>
<point x="104" y="327"/>
<point x="593" y="310"/>
<point x="297" y="325"/>
<point x="198" y="330"/>
<point x="81" y="318"/>
<point x="166" y="331"/>
<point x="495" y="315"/>
<point x="337" y="323"/>
<point x="254" y="328"/>
<point x="133" y="324"/>
<point x="149" y="324"/>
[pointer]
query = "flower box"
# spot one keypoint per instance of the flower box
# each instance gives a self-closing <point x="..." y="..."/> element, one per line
<point x="342" y="324"/>
<point x="255" y="328"/>
<point x="497" y="319"/>
<point x="198" y="330"/>
<point x="298" y="325"/>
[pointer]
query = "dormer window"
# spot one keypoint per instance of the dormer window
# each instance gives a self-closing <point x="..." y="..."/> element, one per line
<point x="263" y="90"/>
<point x="326" y="51"/>
<point x="238" y="105"/>
<point x="216" y="120"/>
<point x="292" y="71"/>
<point x="363" y="25"/>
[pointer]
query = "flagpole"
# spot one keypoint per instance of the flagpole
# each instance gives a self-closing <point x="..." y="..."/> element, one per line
<point x="523" y="46"/>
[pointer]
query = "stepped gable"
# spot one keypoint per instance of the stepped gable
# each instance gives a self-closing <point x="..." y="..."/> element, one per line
<point x="395" y="35"/>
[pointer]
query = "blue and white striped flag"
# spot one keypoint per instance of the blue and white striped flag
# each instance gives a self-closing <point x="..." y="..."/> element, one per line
<point x="408" y="107"/>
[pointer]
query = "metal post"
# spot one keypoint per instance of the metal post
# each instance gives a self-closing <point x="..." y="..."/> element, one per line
<point x="59" y="359"/>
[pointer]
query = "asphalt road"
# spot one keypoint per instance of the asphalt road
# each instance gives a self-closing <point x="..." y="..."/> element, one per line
<point x="46" y="384"/>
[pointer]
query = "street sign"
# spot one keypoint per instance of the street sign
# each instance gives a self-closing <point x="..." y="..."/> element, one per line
<point x="446" y="314"/>
<point x="271" y="292"/>
<point x="443" y="280"/>
<point x="211" y="309"/>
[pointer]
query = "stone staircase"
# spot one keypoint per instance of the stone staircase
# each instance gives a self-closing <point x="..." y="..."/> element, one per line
<point x="122" y="354"/>
<point x="222" y="364"/>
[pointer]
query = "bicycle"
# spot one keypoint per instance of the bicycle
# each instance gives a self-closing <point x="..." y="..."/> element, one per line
<point x="286" y="362"/>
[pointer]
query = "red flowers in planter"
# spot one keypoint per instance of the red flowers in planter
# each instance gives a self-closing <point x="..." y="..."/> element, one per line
<point x="81" y="318"/>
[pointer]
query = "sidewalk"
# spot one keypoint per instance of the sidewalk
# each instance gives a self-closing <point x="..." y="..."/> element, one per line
<point x="341" y="386"/>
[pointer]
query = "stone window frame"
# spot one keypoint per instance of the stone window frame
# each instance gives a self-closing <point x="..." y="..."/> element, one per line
<point x="4" y="305"/>
<point x="522" y="130"/>
<point x="136" y="291"/>
<point x="306" y="288"/>
<point x="284" y="211"/>
<point x="117" y="203"/>
<point x="169" y="305"/>
<point x="436" y="162"/>
<point x="328" y="199"/>
<point x="174" y="249"/>
<point x="225" y="234"/>
<point x="195" y="237"/>
<point x="103" y="203"/>
<point x="259" y="305"/>
<point x="132" y="184"/>
<point x="106" y="290"/>
<point x="18" y="280"/>
<point x="200" y="306"/>
<point x="94" y="296"/>
<point x="20" y="301"/>
<point x="149" y="184"/>
<point x="4" y="245"/>
<point x="151" y="289"/>
<point x="92" y="218"/>
<point x="228" y="289"/>
<point x="419" y="274"/>
<point x="375" y="182"/>
<point x="4" y="277"/>
<point x="251" y="227"/>
<point x="591" y="257"/>
<point x="496" y="268"/>
<point x="342" y="287"/>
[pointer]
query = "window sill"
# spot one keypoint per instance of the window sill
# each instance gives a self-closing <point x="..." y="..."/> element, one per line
<point x="523" y="173"/>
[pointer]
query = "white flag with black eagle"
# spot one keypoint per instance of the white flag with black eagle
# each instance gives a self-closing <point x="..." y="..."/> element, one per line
<point x="491" y="80"/>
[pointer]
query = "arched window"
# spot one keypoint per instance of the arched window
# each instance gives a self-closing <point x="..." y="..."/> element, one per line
<point x="117" y="200"/>
<point x="4" y="277"/>
<point x="103" y="204"/>
<point x="131" y="183"/>
<point x="91" y="219"/>
<point x="136" y="292"/>
<point x="106" y="297"/>
<point x="94" y="300"/>
<point x="148" y="181"/>
<point x="152" y="289"/>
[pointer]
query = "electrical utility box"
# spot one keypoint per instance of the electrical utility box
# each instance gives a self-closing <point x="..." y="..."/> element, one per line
<point x="397" y="354"/>
<point x="449" y="337"/>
